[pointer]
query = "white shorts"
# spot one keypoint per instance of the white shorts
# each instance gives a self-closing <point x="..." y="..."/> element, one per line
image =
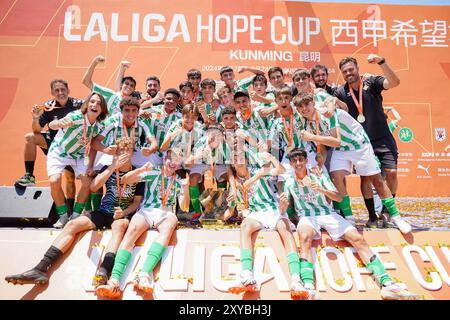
<point x="138" y="159"/>
<point x="155" y="216"/>
<point x="268" y="219"/>
<point x="101" y="160"/>
<point x="363" y="160"/>
<point x="219" y="171"/>
<point x="335" y="225"/>
<point x="56" y="165"/>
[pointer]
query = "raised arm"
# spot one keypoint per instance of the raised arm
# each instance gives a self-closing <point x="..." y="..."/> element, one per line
<point x="392" y="80"/>
<point x="124" y="65"/>
<point x="87" y="78"/>
<point x="135" y="175"/>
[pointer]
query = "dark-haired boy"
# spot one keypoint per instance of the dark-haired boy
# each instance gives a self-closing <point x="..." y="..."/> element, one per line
<point x="310" y="193"/>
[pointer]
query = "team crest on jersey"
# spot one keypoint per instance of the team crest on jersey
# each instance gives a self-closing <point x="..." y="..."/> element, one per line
<point x="440" y="134"/>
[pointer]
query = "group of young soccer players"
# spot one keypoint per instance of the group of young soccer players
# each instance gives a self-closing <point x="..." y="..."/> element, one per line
<point x="271" y="147"/>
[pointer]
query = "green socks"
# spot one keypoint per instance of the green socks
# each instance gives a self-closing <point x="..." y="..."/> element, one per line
<point x="122" y="258"/>
<point x="154" y="254"/>
<point x="222" y="185"/>
<point x="345" y="206"/>
<point x="78" y="207"/>
<point x="390" y="205"/>
<point x="88" y="206"/>
<point x="294" y="263"/>
<point x="194" y="193"/>
<point x="306" y="271"/>
<point x="96" y="200"/>
<point x="246" y="259"/>
<point x="61" y="210"/>
<point x="376" y="267"/>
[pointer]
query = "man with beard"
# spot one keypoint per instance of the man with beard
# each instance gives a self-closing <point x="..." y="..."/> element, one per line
<point x="365" y="103"/>
<point x="319" y="74"/>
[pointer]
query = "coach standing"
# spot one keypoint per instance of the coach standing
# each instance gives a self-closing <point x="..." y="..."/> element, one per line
<point x="365" y="104"/>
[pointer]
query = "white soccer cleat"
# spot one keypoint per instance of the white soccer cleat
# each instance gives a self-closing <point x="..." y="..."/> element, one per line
<point x="404" y="226"/>
<point x="394" y="291"/>
<point x="298" y="291"/>
<point x="63" y="219"/>
<point x="144" y="282"/>
<point x="247" y="283"/>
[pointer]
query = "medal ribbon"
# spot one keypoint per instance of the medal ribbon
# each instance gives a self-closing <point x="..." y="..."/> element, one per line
<point x="120" y="190"/>
<point x="87" y="142"/>
<point x="289" y="130"/>
<point x="358" y="104"/>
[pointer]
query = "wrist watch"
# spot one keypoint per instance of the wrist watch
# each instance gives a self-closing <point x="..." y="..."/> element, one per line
<point x="381" y="61"/>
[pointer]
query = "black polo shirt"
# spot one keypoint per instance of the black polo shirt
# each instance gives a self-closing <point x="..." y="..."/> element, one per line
<point x="375" y="125"/>
<point x="58" y="113"/>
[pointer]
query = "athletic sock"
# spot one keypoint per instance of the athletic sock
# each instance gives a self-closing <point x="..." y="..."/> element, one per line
<point x="391" y="207"/>
<point x="61" y="210"/>
<point x="120" y="263"/>
<point x="96" y="200"/>
<point x="71" y="203"/>
<point x="52" y="254"/>
<point x="370" y="205"/>
<point x="294" y="263"/>
<point x="345" y="206"/>
<point x="108" y="263"/>
<point x="88" y="206"/>
<point x="306" y="271"/>
<point x="154" y="254"/>
<point x="376" y="267"/>
<point x="222" y="185"/>
<point x="194" y="193"/>
<point x="246" y="259"/>
<point x="29" y="167"/>
<point x="78" y="207"/>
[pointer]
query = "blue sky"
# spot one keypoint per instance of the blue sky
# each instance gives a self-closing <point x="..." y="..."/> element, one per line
<point x="401" y="2"/>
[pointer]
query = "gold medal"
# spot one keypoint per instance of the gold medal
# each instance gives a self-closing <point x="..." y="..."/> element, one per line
<point x="289" y="149"/>
<point x="86" y="161"/>
<point x="306" y="181"/>
<point x="361" y="118"/>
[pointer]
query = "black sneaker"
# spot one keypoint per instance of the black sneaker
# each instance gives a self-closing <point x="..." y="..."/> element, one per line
<point x="32" y="276"/>
<point x="101" y="278"/>
<point x="27" y="180"/>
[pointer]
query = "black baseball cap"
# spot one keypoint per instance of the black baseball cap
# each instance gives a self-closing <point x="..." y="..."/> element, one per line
<point x="241" y="93"/>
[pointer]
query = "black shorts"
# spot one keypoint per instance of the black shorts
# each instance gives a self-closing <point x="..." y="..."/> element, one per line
<point x="103" y="220"/>
<point x="48" y="141"/>
<point x="386" y="151"/>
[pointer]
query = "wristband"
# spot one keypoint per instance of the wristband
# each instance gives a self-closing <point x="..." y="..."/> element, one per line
<point x="381" y="61"/>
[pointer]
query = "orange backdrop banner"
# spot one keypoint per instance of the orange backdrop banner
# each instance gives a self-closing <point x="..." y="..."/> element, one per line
<point x="40" y="41"/>
<point x="203" y="264"/>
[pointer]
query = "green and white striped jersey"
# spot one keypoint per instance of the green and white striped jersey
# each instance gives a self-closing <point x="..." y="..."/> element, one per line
<point x="112" y="98"/>
<point x="153" y="191"/>
<point x="325" y="125"/>
<point x="279" y="136"/>
<point x="69" y="142"/>
<point x="243" y="84"/>
<point x="353" y="135"/>
<point x="220" y="155"/>
<point x="308" y="202"/>
<point x="186" y="138"/>
<point x="114" y="129"/>
<point x="160" y="123"/>
<point x="217" y="113"/>
<point x="260" y="196"/>
<point x="255" y="126"/>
